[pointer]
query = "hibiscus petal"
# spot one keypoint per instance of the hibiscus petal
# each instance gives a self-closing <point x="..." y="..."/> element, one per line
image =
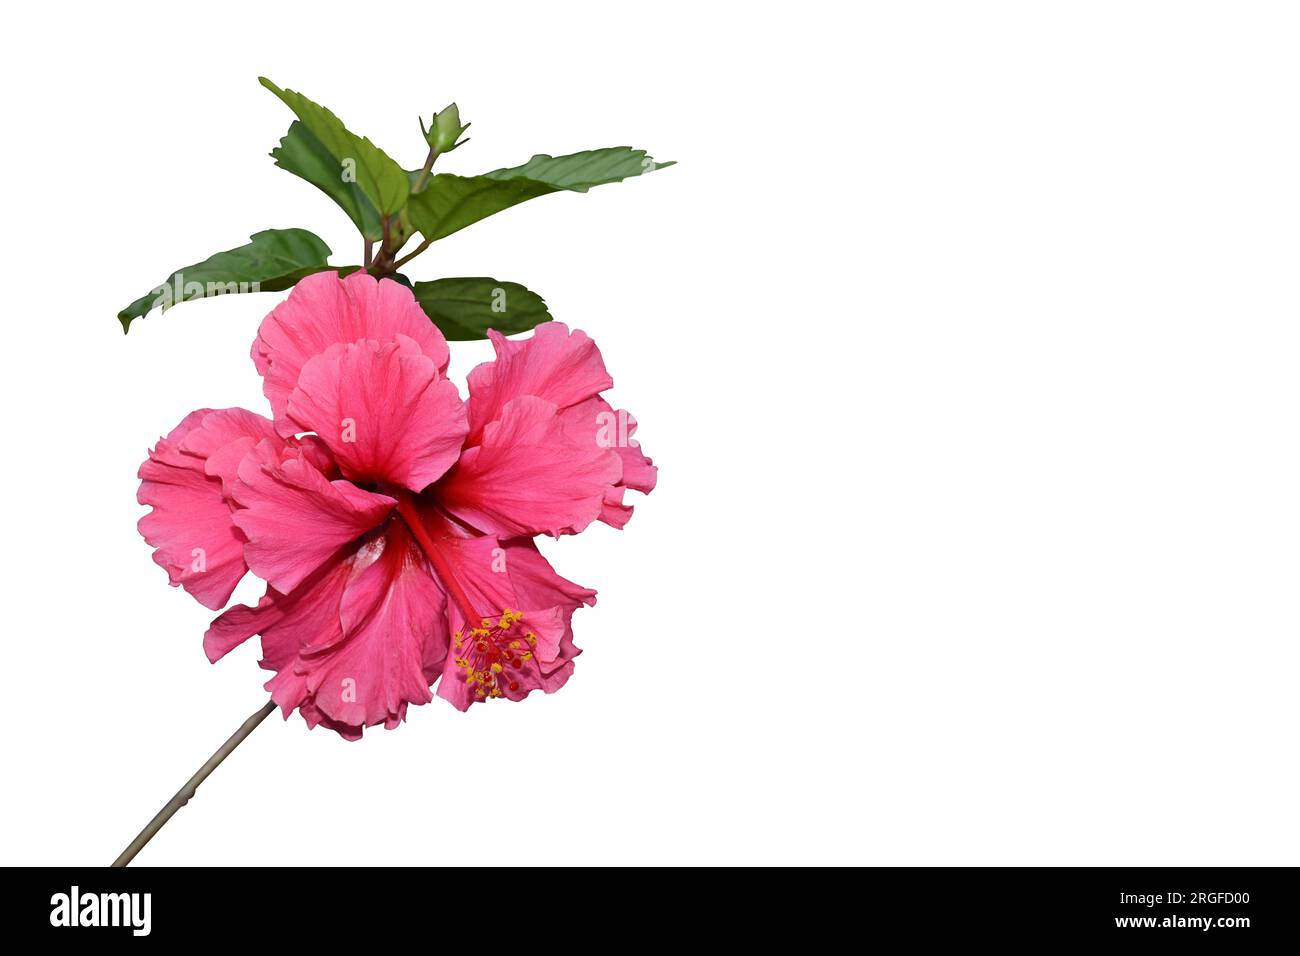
<point x="287" y="622"/>
<point x="190" y="525"/>
<point x="536" y="583"/>
<point x="322" y="310"/>
<point x="312" y="714"/>
<point x="595" y="420"/>
<point x="383" y="410"/>
<point x="294" y="517"/>
<point x="560" y="366"/>
<point x="394" y="638"/>
<point x="565" y="368"/>
<point x="224" y="437"/>
<point x="530" y="475"/>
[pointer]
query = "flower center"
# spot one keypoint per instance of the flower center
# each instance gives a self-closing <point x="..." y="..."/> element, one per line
<point x="492" y="654"/>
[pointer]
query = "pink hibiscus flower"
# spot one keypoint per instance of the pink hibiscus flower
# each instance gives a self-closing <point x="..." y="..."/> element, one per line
<point x="392" y="522"/>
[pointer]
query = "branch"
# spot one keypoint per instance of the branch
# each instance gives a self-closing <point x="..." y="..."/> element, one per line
<point x="186" y="792"/>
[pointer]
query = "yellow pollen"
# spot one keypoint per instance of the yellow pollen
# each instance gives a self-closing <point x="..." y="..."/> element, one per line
<point x="493" y="664"/>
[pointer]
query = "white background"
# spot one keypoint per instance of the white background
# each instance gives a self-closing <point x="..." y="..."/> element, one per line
<point x="965" y="337"/>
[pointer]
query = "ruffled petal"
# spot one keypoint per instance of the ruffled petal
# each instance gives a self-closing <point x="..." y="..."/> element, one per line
<point x="224" y="437"/>
<point x="536" y="583"/>
<point x="323" y="310"/>
<point x="294" y="517"/>
<point x="312" y="714"/>
<point x="191" y="525"/>
<point x="355" y="643"/>
<point x="563" y="367"/>
<point x="595" y="420"/>
<point x="393" y="641"/>
<point x="384" y="411"/>
<point x="529" y="475"/>
<point x="287" y="622"/>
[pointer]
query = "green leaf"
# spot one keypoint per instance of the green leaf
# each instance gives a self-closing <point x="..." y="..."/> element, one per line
<point x="305" y="156"/>
<point x="580" y="171"/>
<point x="272" y="261"/>
<point x="465" y="308"/>
<point x="382" y="181"/>
<point x="449" y="203"/>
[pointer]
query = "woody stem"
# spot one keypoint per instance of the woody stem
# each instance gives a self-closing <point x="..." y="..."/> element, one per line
<point x="186" y="792"/>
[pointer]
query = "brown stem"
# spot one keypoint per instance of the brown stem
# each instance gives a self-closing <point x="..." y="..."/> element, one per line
<point x="383" y="262"/>
<point x="186" y="792"/>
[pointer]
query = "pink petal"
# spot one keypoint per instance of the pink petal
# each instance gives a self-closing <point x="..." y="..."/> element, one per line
<point x="595" y="420"/>
<point x="537" y="585"/>
<point x="294" y="517"/>
<point x="190" y="525"/>
<point x="224" y="437"/>
<point x="312" y="714"/>
<point x="355" y="643"/>
<point x="530" y="475"/>
<point x="287" y="622"/>
<point x="535" y="582"/>
<point x="565" y="368"/>
<point x="317" y="454"/>
<point x="323" y="310"/>
<point x="384" y="411"/>
<point x="560" y="366"/>
<point x="482" y="572"/>
<point x="393" y="642"/>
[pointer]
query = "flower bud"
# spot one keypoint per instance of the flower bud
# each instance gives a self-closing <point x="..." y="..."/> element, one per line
<point x="444" y="130"/>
